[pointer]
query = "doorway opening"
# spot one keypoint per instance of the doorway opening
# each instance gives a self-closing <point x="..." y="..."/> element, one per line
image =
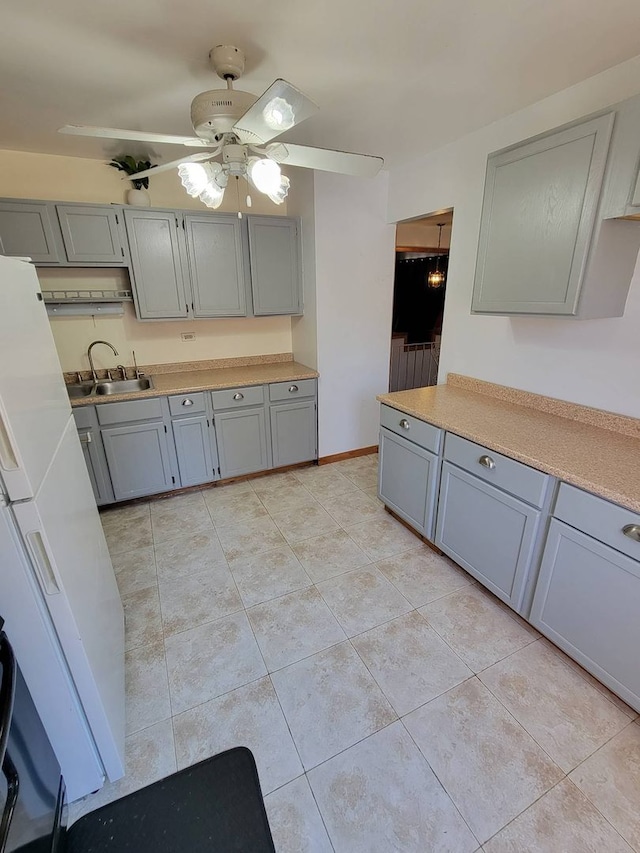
<point x="420" y="281"/>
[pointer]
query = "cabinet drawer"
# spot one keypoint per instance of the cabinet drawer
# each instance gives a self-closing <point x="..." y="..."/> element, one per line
<point x="599" y="518"/>
<point x="501" y="471"/>
<point x="290" y="390"/>
<point x="235" y="398"/>
<point x="187" y="404"/>
<point x="421" y="433"/>
<point x="129" y="410"/>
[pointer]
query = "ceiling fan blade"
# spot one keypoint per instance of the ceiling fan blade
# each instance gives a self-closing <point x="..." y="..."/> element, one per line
<point x="325" y="159"/>
<point x="135" y="135"/>
<point x="278" y="109"/>
<point x="194" y="158"/>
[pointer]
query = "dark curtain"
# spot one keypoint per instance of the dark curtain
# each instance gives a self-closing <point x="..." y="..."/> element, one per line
<point x="417" y="308"/>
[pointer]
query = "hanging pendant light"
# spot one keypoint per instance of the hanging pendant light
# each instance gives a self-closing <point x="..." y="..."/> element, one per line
<point x="435" y="279"/>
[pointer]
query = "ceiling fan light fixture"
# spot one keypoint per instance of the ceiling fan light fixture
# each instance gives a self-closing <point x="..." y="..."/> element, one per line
<point x="194" y="177"/>
<point x="265" y="175"/>
<point x="281" y="193"/>
<point x="279" y="115"/>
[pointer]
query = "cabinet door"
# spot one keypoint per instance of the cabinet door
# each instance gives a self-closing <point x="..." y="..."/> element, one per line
<point x="138" y="459"/>
<point x="90" y="234"/>
<point x="407" y="480"/>
<point x="587" y="601"/>
<point x="193" y="447"/>
<point x="242" y="441"/>
<point x="96" y="465"/>
<point x="487" y="532"/>
<point x="540" y="203"/>
<point x="156" y="263"/>
<point x="217" y="265"/>
<point x="293" y="433"/>
<point x="27" y="231"/>
<point x="275" y="265"/>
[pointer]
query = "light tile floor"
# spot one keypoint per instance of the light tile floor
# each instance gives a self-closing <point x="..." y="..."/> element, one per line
<point x="392" y="704"/>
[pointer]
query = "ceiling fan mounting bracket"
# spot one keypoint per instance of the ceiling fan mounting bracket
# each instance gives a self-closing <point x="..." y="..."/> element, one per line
<point x="227" y="61"/>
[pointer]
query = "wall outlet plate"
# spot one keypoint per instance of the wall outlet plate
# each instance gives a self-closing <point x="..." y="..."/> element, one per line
<point x="188" y="336"/>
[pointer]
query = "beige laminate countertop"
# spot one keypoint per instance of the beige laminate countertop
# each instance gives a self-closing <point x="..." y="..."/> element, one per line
<point x="213" y="379"/>
<point x="602" y="461"/>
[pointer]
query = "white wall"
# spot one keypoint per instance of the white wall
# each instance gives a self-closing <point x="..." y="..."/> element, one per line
<point x="304" y="330"/>
<point x="596" y="362"/>
<point x="354" y="252"/>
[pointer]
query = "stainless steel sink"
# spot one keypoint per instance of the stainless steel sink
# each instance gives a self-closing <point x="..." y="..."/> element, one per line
<point x="82" y="389"/>
<point x="124" y="386"/>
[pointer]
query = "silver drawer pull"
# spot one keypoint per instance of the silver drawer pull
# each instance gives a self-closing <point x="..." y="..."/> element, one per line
<point x="86" y="438"/>
<point x="293" y="389"/>
<point x="187" y="402"/>
<point x="632" y="531"/>
<point x="487" y="462"/>
<point x="404" y="423"/>
<point x="238" y="396"/>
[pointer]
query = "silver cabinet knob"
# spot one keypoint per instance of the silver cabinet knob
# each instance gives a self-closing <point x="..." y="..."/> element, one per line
<point x="238" y="396"/>
<point x="404" y="423"/>
<point x="632" y="531"/>
<point x="187" y="402"/>
<point x="293" y="389"/>
<point x="487" y="462"/>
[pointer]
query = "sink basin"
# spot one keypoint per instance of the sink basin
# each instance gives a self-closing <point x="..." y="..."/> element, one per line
<point x="124" y="386"/>
<point x="82" y="389"/>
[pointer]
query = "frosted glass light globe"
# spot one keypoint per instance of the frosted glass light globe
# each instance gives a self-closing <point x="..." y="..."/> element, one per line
<point x="265" y="175"/>
<point x="194" y="178"/>
<point x="279" y="115"/>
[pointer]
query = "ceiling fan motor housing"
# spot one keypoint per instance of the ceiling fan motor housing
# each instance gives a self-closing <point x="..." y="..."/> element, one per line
<point x="217" y="110"/>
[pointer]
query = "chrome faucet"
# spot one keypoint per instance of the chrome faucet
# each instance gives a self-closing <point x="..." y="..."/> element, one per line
<point x="123" y="370"/>
<point x="91" y="346"/>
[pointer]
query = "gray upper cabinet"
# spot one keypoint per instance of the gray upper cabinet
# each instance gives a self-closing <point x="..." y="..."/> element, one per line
<point x="157" y="264"/>
<point x="274" y="249"/>
<point x="540" y="203"/>
<point x="91" y="234"/>
<point x="27" y="231"/>
<point x="587" y="602"/>
<point x="217" y="264"/>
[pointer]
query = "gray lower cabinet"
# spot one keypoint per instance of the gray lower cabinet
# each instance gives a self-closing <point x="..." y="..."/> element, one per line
<point x="28" y="230"/>
<point x="218" y="264"/>
<point x="194" y="450"/>
<point x="275" y="265"/>
<point x="91" y="234"/>
<point x="293" y="432"/>
<point x="488" y="532"/>
<point x="157" y="264"/>
<point x="242" y="441"/>
<point x="138" y="459"/>
<point x="408" y="480"/>
<point x="587" y="602"/>
<point x="94" y="455"/>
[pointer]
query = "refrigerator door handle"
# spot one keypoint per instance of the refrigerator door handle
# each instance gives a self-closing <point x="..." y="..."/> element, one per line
<point x="8" y="458"/>
<point x="7" y="691"/>
<point x="42" y="562"/>
<point x="13" y="786"/>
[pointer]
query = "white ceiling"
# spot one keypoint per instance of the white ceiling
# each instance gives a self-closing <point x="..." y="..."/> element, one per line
<point x="394" y="79"/>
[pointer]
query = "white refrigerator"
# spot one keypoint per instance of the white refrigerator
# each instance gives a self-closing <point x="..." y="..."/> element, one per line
<point x="58" y="592"/>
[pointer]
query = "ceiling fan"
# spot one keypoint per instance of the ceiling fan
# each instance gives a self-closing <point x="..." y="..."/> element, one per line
<point x="236" y="129"/>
